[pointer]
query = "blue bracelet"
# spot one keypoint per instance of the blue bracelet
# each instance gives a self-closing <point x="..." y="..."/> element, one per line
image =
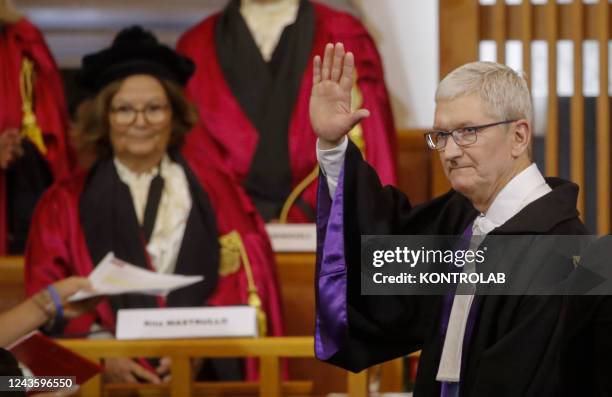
<point x="57" y="301"/>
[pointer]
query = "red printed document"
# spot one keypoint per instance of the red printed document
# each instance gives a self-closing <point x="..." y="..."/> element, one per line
<point x="44" y="357"/>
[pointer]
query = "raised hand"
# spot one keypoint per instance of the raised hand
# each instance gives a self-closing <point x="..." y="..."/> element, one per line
<point x="330" y="100"/>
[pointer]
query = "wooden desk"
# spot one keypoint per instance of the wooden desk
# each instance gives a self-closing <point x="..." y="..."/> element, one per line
<point x="269" y="350"/>
<point x="12" y="289"/>
<point x="296" y="278"/>
<point x="296" y="273"/>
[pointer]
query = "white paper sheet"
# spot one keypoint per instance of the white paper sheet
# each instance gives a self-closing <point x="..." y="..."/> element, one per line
<point x="113" y="276"/>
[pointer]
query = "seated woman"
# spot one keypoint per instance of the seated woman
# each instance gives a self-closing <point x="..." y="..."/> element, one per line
<point x="152" y="198"/>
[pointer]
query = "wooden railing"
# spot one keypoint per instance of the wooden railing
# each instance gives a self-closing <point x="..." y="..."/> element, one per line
<point x="296" y="277"/>
<point x="268" y="350"/>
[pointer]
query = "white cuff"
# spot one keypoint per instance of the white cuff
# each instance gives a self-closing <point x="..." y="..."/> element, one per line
<point x="331" y="161"/>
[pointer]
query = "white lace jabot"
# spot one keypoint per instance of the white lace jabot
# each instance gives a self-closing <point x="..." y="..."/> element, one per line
<point x="172" y="213"/>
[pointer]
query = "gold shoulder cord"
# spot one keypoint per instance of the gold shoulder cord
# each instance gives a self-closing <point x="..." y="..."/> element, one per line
<point x="29" y="126"/>
<point x="299" y="189"/>
<point x="356" y="136"/>
<point x="232" y="253"/>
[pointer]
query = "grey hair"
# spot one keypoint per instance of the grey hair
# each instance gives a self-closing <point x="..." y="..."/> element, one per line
<point x="504" y="90"/>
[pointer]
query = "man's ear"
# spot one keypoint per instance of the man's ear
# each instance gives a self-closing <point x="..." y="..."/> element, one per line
<point x="521" y="137"/>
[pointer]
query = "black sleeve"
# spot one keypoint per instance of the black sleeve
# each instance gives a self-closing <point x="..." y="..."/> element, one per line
<point x="378" y="328"/>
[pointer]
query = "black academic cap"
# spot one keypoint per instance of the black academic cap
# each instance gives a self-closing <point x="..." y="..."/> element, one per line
<point x="134" y="51"/>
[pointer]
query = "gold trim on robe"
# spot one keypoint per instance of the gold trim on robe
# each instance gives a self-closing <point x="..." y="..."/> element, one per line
<point x="29" y="127"/>
<point x="232" y="253"/>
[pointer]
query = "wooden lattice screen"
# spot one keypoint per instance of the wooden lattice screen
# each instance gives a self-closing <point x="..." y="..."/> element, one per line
<point x="465" y="23"/>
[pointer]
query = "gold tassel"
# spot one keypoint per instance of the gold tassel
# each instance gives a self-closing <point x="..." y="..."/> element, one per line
<point x="232" y="243"/>
<point x="29" y="126"/>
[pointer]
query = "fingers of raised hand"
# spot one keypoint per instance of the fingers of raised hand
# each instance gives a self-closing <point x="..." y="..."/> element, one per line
<point x="327" y="61"/>
<point x="333" y="59"/>
<point x="337" y="66"/>
<point x="346" y="80"/>
<point x="337" y="61"/>
<point x="316" y="70"/>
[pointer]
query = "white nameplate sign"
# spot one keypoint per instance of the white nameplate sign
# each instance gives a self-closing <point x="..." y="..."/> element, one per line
<point x="293" y="237"/>
<point x="187" y="322"/>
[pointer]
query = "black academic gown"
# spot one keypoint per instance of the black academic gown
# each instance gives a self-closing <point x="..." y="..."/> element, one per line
<point x="586" y="364"/>
<point x="514" y="345"/>
<point x="26" y="179"/>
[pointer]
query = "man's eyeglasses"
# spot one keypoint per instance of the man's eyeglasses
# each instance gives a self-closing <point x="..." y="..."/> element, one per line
<point x="126" y="115"/>
<point x="463" y="136"/>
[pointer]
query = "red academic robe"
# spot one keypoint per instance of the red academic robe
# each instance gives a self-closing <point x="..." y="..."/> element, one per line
<point x="57" y="247"/>
<point x="18" y="41"/>
<point x="228" y="125"/>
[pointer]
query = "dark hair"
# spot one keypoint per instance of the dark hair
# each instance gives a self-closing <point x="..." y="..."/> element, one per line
<point x="91" y="129"/>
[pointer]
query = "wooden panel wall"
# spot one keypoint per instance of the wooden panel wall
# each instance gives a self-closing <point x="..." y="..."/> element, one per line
<point x="414" y="165"/>
<point x="464" y="23"/>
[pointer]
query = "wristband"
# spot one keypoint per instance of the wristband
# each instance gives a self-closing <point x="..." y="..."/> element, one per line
<point x="57" y="301"/>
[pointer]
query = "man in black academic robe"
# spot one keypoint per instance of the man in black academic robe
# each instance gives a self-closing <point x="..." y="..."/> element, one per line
<point x="510" y="343"/>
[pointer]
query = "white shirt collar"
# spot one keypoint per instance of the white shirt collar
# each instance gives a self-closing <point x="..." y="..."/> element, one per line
<point x="526" y="187"/>
<point x="128" y="176"/>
